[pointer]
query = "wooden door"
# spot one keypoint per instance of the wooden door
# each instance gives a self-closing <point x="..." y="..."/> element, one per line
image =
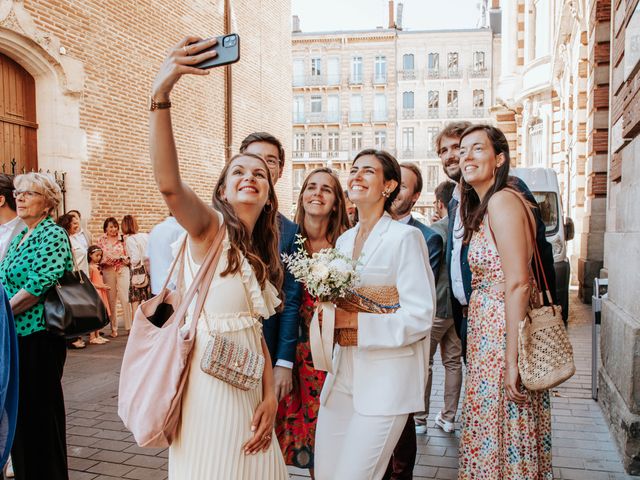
<point x="18" y="127"/>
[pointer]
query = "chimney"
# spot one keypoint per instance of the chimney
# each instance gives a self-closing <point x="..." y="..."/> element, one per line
<point x="392" y="23"/>
<point x="296" y="24"/>
<point x="399" y="16"/>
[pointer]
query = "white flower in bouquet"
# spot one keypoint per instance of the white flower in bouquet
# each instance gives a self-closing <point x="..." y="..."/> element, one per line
<point x="326" y="274"/>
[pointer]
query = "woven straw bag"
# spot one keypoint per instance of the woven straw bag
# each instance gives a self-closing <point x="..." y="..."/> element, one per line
<point x="545" y="354"/>
<point x="373" y="299"/>
<point x="231" y="362"/>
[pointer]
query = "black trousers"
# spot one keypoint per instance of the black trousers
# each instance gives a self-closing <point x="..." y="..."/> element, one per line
<point x="39" y="449"/>
<point x="404" y="455"/>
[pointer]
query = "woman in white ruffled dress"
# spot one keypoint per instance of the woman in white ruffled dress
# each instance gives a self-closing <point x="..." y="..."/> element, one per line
<point x="225" y="432"/>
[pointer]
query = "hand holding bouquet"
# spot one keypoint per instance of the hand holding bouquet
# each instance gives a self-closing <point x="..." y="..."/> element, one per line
<point x="328" y="275"/>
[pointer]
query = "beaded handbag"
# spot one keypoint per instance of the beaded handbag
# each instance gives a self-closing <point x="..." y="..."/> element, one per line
<point x="545" y="354"/>
<point x="372" y="299"/>
<point x="231" y="362"/>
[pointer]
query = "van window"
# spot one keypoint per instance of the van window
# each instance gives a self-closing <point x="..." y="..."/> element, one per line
<point x="548" y="202"/>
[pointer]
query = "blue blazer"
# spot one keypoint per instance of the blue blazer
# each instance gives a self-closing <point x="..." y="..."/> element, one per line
<point x="8" y="377"/>
<point x="544" y="247"/>
<point x="434" y="244"/>
<point x="281" y="329"/>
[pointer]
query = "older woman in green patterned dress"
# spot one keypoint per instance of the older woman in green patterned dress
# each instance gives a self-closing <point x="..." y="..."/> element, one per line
<point x="35" y="260"/>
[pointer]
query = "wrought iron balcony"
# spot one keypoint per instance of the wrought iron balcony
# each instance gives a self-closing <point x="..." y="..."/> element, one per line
<point x="433" y="73"/>
<point x="408" y="113"/>
<point x="409" y="74"/>
<point x="478" y="72"/>
<point x="452" y="112"/>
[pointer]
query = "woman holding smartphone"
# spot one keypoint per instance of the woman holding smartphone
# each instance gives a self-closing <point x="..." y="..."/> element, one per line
<point x="225" y="432"/>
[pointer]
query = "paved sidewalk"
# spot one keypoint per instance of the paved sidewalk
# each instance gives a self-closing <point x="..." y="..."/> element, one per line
<point x="100" y="448"/>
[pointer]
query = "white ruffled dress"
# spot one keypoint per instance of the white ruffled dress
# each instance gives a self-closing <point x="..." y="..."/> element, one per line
<point x="216" y="417"/>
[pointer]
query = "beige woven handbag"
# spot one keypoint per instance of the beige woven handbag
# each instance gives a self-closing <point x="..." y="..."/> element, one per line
<point x="372" y="299"/>
<point x="231" y="362"/>
<point x="545" y="354"/>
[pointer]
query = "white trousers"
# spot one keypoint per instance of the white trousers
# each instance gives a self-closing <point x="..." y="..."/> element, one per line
<point x="118" y="282"/>
<point x="351" y="446"/>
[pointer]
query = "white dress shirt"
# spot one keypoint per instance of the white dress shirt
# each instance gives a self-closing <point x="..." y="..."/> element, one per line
<point x="159" y="251"/>
<point x="7" y="232"/>
<point x="456" y="270"/>
<point x="405" y="219"/>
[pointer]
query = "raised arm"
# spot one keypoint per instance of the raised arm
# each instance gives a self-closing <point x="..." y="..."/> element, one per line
<point x="197" y="218"/>
<point x="508" y="223"/>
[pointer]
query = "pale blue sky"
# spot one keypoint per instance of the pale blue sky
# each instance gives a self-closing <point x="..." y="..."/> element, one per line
<point x="327" y="15"/>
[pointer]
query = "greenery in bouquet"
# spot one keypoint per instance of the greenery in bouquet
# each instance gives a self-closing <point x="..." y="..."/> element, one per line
<point x="327" y="274"/>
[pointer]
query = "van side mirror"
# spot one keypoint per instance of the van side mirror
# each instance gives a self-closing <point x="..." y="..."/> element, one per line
<point x="569" y="230"/>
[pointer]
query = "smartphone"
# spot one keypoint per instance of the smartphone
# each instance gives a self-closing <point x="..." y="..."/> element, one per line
<point x="228" y="48"/>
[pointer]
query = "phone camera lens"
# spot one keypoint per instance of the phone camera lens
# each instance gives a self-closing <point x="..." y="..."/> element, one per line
<point x="229" y="41"/>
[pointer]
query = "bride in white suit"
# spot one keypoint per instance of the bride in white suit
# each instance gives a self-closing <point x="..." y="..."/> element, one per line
<point x="375" y="385"/>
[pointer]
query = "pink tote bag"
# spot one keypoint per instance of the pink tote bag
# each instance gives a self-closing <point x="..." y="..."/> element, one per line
<point x="155" y="365"/>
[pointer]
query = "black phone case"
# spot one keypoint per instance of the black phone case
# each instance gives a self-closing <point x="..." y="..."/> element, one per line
<point x="226" y="54"/>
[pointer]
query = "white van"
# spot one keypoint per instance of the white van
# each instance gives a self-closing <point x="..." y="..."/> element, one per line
<point x="543" y="183"/>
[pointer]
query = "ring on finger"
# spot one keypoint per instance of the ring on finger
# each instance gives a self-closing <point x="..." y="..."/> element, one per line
<point x="186" y="50"/>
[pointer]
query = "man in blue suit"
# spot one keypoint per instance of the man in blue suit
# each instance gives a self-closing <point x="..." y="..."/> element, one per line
<point x="448" y="148"/>
<point x="404" y="454"/>
<point x="280" y="330"/>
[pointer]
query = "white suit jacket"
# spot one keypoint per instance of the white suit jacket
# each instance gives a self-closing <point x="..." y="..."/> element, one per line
<point x="389" y="372"/>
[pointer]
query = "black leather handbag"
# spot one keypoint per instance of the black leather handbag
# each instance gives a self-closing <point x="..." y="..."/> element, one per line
<point x="73" y="307"/>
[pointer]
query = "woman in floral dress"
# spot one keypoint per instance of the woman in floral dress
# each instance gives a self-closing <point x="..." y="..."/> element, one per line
<point x="322" y="217"/>
<point x="506" y="430"/>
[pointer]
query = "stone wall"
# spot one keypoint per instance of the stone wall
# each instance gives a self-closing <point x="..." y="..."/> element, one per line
<point x="619" y="377"/>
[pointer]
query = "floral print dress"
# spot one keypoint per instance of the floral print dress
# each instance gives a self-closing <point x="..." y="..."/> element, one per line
<point x="298" y="411"/>
<point x="500" y="439"/>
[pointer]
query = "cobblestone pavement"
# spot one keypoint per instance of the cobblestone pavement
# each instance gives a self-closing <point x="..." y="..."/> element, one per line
<point x="100" y="448"/>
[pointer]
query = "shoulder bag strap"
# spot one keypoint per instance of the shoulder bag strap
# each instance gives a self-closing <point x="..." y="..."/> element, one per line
<point x="536" y="253"/>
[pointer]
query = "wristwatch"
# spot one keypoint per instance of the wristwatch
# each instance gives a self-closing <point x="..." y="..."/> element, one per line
<point x="154" y="105"/>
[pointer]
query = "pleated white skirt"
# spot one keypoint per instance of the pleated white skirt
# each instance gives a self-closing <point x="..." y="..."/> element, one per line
<point x="216" y="423"/>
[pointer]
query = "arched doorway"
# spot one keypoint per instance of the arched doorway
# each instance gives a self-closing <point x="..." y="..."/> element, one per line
<point x="18" y="127"/>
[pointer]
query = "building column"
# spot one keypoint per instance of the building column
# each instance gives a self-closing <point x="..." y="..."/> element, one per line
<point x="591" y="256"/>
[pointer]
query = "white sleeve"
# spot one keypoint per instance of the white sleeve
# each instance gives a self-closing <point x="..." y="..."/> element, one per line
<point x="416" y="289"/>
<point x="133" y="251"/>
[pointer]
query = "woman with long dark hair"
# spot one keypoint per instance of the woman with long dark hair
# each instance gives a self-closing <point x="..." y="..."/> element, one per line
<point x="381" y="379"/>
<point x="322" y="218"/>
<point x="506" y="430"/>
<point x="225" y="432"/>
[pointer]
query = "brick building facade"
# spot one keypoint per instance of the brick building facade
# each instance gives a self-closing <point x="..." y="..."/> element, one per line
<point x="92" y="65"/>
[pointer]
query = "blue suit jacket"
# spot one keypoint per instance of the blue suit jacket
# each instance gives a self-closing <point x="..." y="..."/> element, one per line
<point x="8" y="377"/>
<point x="434" y="245"/>
<point x="544" y="247"/>
<point x="281" y="330"/>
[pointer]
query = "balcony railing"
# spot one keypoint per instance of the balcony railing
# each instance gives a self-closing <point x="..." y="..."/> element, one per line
<point x="409" y="153"/>
<point x="452" y="112"/>
<point x="478" y="72"/>
<point x="321" y="155"/>
<point x="315" y="80"/>
<point x="380" y="116"/>
<point x="356" y="117"/>
<point x="409" y="74"/>
<point x="479" y="112"/>
<point x="307" y="118"/>
<point x="433" y="112"/>
<point x="355" y="80"/>
<point x="433" y="73"/>
<point x="408" y="113"/>
<point x="380" y="79"/>
<point x="454" y="73"/>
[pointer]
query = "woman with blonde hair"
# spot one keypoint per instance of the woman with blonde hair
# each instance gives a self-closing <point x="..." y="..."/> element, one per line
<point x="35" y="260"/>
<point x="322" y="218"/>
<point x="224" y="432"/>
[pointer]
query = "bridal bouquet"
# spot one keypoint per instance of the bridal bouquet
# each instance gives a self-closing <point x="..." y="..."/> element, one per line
<point x="327" y="274"/>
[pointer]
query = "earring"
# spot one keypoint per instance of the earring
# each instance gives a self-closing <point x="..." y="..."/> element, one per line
<point x="267" y="210"/>
<point x="386" y="194"/>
